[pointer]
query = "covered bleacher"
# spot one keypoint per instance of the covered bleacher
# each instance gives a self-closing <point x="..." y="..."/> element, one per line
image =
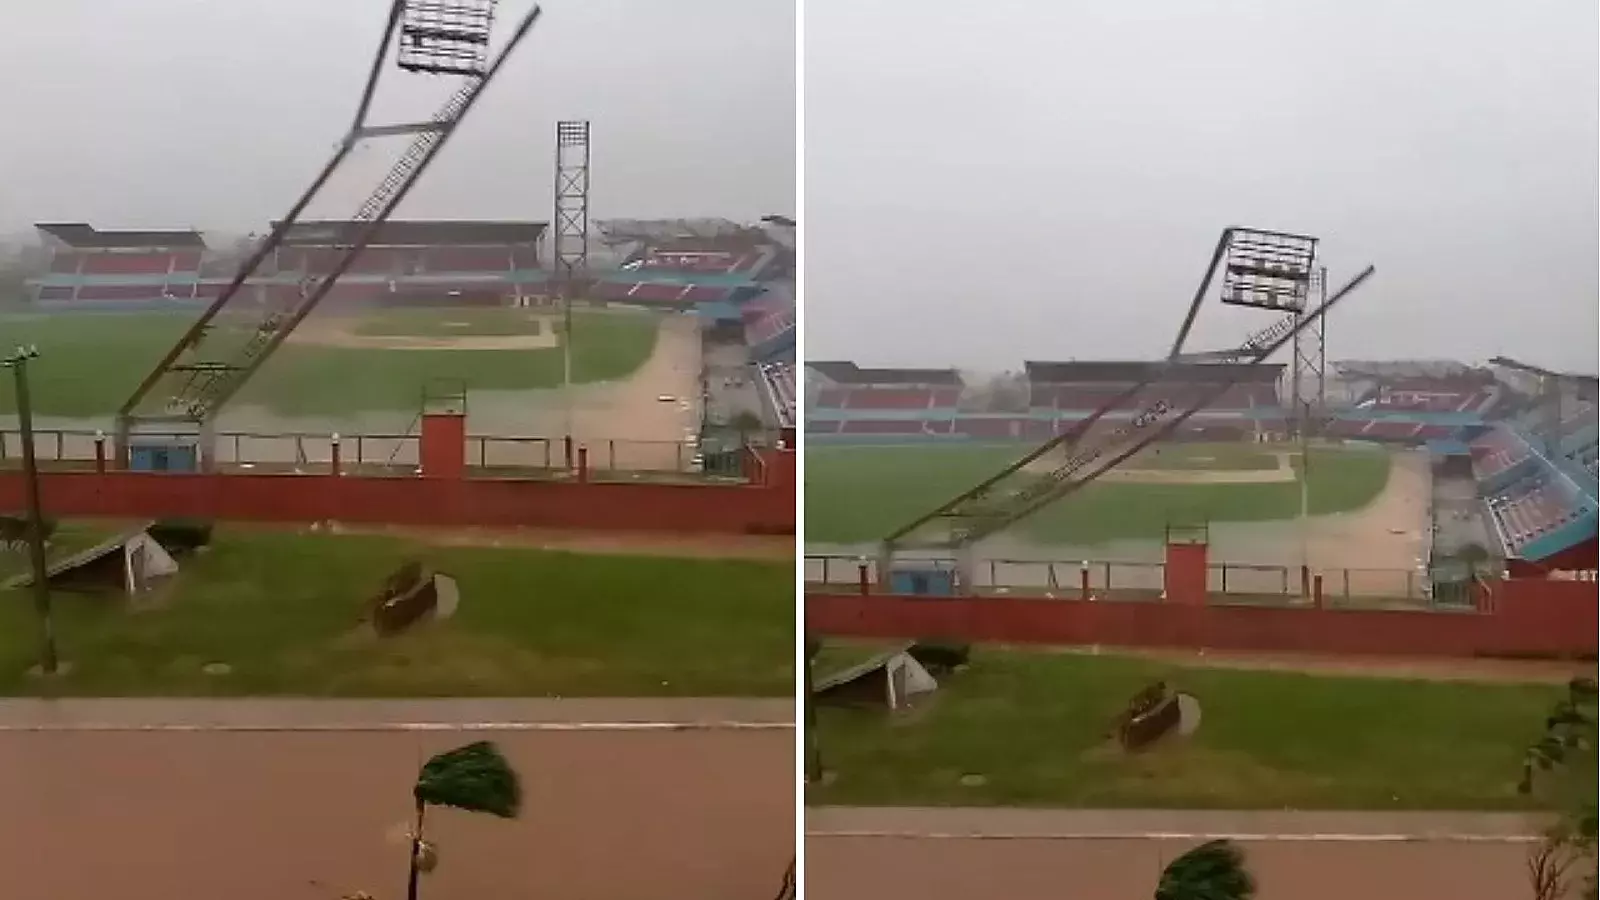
<point x="113" y="268"/>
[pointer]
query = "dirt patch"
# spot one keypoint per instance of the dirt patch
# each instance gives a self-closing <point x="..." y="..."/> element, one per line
<point x="698" y="546"/>
<point x="1284" y="471"/>
<point x="1496" y="671"/>
<point x="340" y="332"/>
<point x="625" y="424"/>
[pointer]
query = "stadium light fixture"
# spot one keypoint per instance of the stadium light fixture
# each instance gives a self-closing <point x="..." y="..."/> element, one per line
<point x="1267" y="269"/>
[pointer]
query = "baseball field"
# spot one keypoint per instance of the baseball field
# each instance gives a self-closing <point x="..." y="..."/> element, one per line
<point x="334" y="364"/>
<point x="856" y="494"/>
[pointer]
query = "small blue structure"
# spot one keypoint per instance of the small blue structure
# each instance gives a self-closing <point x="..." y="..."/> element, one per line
<point x="923" y="580"/>
<point x="163" y="454"/>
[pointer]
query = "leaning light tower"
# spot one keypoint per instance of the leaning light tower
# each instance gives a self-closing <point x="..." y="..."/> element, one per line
<point x="239" y="332"/>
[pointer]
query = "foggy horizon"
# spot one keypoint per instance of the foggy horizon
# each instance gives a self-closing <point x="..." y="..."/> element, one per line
<point x="1014" y="181"/>
<point x="692" y="111"/>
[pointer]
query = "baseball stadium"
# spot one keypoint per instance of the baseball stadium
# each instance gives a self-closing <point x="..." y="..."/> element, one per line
<point x="1398" y="554"/>
<point x="283" y="515"/>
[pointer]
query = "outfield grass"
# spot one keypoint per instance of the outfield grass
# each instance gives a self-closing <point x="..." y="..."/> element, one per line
<point x="1034" y="725"/>
<point x="90" y="364"/>
<point x="856" y="494"/>
<point x="496" y="321"/>
<point x="281" y="609"/>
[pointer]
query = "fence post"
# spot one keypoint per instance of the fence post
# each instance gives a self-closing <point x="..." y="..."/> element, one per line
<point x="1305" y="580"/>
<point x="1346" y="573"/>
<point x="100" y="452"/>
<point x="583" y="465"/>
<point x="863" y="578"/>
<point x="566" y="444"/>
<point x="1083" y="581"/>
<point x="2" y="445"/>
<point x="611" y="454"/>
<point x="1224" y="578"/>
<point x="333" y="456"/>
<point x="1316" y="591"/>
<point x="994" y="578"/>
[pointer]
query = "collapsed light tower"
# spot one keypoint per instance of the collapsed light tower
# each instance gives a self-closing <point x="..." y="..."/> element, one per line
<point x="1274" y="272"/>
<point x="241" y="329"/>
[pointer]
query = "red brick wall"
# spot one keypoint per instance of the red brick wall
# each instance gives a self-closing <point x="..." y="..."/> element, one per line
<point x="736" y="509"/>
<point x="1523" y="618"/>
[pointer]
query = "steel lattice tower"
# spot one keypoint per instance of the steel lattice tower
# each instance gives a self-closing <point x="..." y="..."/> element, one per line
<point x="571" y="247"/>
<point x="241" y="329"/>
<point x="1267" y="270"/>
<point x="1308" y="382"/>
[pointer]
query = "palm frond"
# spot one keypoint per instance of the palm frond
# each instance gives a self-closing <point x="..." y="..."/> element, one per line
<point x="1214" y="870"/>
<point x="475" y="778"/>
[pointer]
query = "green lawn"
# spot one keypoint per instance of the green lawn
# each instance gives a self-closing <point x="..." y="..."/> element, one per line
<point x="90" y="364"/>
<point x="486" y="322"/>
<point x="856" y="494"/>
<point x="281" y="609"/>
<point x="1033" y="724"/>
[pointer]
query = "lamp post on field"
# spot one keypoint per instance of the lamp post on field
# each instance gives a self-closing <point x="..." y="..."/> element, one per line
<point x="17" y="362"/>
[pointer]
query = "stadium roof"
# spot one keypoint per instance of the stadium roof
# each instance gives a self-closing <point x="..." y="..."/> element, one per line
<point x="850" y="373"/>
<point x="83" y="236"/>
<point x="416" y="234"/>
<point x="1081" y="372"/>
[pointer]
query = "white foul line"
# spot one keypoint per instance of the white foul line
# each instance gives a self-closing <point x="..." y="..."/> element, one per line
<point x="332" y="727"/>
<point x="1307" y="837"/>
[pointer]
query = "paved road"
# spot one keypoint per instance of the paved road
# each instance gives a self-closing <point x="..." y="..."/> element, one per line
<point x="510" y="714"/>
<point x="705" y="813"/>
<point x="1067" y="855"/>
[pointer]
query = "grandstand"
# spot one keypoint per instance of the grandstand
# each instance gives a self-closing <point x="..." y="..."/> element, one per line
<point x="90" y="268"/>
<point x="769" y="328"/>
<point x="1411" y="403"/>
<point x="779" y="392"/>
<point x="845" y="399"/>
<point x="407" y="264"/>
<point x="687" y="264"/>
<point x="1062" y="394"/>
<point x="850" y="401"/>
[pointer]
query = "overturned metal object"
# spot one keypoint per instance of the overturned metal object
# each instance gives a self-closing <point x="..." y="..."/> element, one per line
<point x="412" y="594"/>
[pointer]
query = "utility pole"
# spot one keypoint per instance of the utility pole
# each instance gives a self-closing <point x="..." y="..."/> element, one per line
<point x="813" y="738"/>
<point x="18" y="363"/>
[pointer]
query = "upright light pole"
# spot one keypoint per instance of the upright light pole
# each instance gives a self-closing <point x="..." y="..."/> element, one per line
<point x="571" y="239"/>
<point x="18" y="364"/>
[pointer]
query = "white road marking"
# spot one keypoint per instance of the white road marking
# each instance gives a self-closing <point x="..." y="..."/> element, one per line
<point x="192" y="727"/>
<point x="1312" y="837"/>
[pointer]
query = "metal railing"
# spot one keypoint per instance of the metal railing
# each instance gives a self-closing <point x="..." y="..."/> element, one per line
<point x="1129" y="579"/>
<point x="306" y="452"/>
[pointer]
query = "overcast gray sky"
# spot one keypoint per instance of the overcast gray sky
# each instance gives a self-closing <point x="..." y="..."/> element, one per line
<point x="988" y="182"/>
<point x="172" y="113"/>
